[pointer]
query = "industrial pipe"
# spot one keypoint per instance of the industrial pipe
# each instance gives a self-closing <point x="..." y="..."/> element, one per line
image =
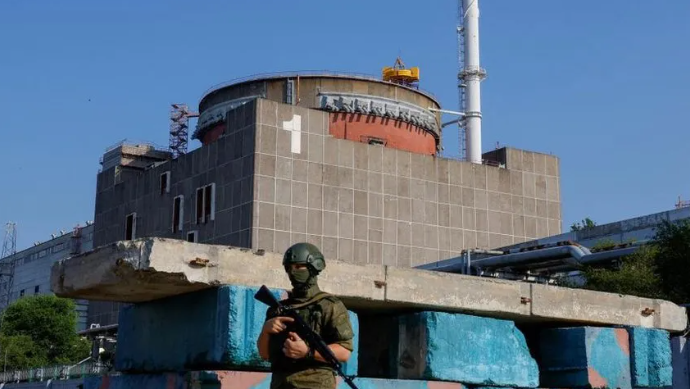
<point x="529" y="257"/>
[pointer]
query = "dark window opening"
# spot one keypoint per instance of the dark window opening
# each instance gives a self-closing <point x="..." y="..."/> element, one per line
<point x="130" y="227"/>
<point x="177" y="214"/>
<point x="207" y="202"/>
<point x="21" y="293"/>
<point x="36" y="289"/>
<point x="165" y="183"/>
<point x="192" y="236"/>
<point x="200" y="206"/>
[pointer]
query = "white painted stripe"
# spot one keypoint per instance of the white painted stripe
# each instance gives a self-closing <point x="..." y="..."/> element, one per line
<point x="295" y="127"/>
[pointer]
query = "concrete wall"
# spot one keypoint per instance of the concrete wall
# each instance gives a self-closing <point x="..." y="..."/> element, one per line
<point x="372" y="204"/>
<point x="32" y="266"/>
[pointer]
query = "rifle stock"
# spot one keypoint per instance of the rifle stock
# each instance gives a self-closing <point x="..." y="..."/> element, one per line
<point x="305" y="332"/>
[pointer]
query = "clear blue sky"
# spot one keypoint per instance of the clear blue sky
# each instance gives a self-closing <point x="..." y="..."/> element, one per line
<point x="601" y="84"/>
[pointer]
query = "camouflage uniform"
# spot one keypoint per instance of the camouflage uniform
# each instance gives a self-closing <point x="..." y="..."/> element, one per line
<point x="328" y="317"/>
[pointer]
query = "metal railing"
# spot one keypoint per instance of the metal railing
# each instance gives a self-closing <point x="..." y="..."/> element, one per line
<point x="306" y="73"/>
<point x="58" y="372"/>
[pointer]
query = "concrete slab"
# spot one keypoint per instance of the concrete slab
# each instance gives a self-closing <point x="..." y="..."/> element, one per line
<point x="585" y="357"/>
<point x="239" y="380"/>
<point x="650" y="358"/>
<point x="586" y="306"/>
<point x="463" y="348"/>
<point x="451" y="292"/>
<point x="153" y="268"/>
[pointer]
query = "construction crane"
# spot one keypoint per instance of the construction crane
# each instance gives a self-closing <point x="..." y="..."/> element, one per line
<point x="179" y="128"/>
<point x="9" y="248"/>
<point x="399" y="74"/>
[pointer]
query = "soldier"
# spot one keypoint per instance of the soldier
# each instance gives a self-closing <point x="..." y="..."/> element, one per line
<point x="293" y="363"/>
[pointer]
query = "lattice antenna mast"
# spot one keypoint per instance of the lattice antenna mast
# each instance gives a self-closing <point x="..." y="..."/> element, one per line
<point x="9" y="245"/>
<point x="179" y="128"/>
<point x="470" y="75"/>
<point x="9" y="248"/>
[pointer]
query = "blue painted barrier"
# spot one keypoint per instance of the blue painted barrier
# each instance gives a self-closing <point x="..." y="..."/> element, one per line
<point x="210" y="329"/>
<point x="585" y="357"/>
<point x="650" y="358"/>
<point x="463" y="348"/>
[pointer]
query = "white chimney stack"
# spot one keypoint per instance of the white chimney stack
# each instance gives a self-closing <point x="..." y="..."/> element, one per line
<point x="470" y="77"/>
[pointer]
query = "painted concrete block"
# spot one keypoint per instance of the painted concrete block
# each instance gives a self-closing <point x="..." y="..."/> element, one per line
<point x="585" y="357"/>
<point x="239" y="380"/>
<point x="680" y="350"/>
<point x="210" y="329"/>
<point x="650" y="350"/>
<point x="463" y="348"/>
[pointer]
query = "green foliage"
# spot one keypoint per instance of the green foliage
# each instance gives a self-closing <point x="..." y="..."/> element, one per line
<point x="673" y="243"/>
<point x="635" y="275"/>
<point x="585" y="224"/>
<point x="657" y="270"/>
<point x="604" y="244"/>
<point x="21" y="352"/>
<point x="40" y="330"/>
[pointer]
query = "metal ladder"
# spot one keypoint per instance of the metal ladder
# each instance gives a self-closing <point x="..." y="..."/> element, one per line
<point x="461" y="81"/>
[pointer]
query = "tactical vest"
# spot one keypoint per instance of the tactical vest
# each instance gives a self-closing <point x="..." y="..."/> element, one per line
<point x="311" y="313"/>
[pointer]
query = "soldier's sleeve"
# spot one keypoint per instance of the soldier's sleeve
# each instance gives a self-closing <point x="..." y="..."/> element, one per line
<point x="337" y="328"/>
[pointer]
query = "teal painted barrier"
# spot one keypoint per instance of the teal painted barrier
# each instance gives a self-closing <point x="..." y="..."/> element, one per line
<point x="650" y="358"/>
<point x="210" y="329"/>
<point x="585" y="357"/>
<point x="455" y="347"/>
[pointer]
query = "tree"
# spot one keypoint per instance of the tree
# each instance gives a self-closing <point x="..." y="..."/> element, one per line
<point x="585" y="224"/>
<point x="635" y="275"/>
<point x="672" y="241"/>
<point x="658" y="269"/>
<point x="40" y="330"/>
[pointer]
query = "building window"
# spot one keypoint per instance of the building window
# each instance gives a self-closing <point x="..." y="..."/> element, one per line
<point x="131" y="226"/>
<point x="192" y="236"/>
<point x="205" y="203"/>
<point x="42" y="253"/>
<point x="165" y="183"/>
<point x="178" y="213"/>
<point x="36" y="289"/>
<point x="21" y="293"/>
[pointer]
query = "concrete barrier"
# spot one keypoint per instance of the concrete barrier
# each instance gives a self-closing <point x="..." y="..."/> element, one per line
<point x="651" y="364"/>
<point x="585" y="357"/>
<point x="680" y="351"/>
<point x="469" y="349"/>
<point x="209" y="329"/>
<point x="238" y="380"/>
<point x="155" y="268"/>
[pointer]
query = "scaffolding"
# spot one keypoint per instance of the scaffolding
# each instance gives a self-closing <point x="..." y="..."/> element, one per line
<point x="7" y="262"/>
<point x="179" y="128"/>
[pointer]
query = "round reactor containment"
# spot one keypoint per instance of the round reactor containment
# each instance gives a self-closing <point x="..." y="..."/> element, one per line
<point x="361" y="108"/>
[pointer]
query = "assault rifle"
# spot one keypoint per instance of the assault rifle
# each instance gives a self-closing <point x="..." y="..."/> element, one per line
<point x="305" y="332"/>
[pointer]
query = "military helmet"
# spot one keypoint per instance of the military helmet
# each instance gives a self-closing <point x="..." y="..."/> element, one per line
<point x="305" y="253"/>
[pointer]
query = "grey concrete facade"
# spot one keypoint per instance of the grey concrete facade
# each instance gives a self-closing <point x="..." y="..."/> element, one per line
<point x="277" y="177"/>
<point x="371" y="204"/>
<point x="31" y="270"/>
